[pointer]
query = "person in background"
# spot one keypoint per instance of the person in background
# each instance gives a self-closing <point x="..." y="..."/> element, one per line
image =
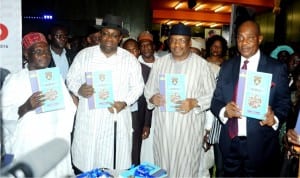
<point x="291" y="139"/>
<point x="254" y="150"/>
<point x="293" y="67"/>
<point x="74" y="46"/>
<point x="176" y="135"/>
<point x="216" y="47"/>
<point x="146" y="47"/>
<point x="282" y="53"/>
<point x="132" y="46"/>
<point x="207" y="156"/>
<point x="93" y="142"/>
<point x="24" y="129"/>
<point x="216" y="52"/>
<point x="94" y="36"/>
<point x="58" y="38"/>
<point x="198" y="46"/>
<point x="141" y="116"/>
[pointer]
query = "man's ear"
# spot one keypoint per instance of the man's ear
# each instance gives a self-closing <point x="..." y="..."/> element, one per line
<point x="260" y="38"/>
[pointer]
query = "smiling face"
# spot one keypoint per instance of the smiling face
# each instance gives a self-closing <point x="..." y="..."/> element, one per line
<point x="180" y="46"/>
<point x="110" y="38"/>
<point x="248" y="39"/>
<point x="38" y="56"/>
<point x="147" y="48"/>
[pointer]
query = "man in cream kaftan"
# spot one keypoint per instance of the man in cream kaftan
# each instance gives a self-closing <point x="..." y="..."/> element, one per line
<point x="33" y="130"/>
<point x="24" y="129"/>
<point x="177" y="136"/>
<point x="92" y="146"/>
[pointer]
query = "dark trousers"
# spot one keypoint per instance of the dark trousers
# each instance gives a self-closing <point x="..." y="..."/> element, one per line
<point x="136" y="139"/>
<point x="218" y="161"/>
<point x="236" y="163"/>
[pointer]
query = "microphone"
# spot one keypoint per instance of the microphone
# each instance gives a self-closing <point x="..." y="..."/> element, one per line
<point x="39" y="161"/>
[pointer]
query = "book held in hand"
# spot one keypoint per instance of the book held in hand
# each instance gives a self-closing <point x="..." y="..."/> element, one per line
<point x="253" y="92"/>
<point x="172" y="86"/>
<point x="48" y="81"/>
<point x="103" y="89"/>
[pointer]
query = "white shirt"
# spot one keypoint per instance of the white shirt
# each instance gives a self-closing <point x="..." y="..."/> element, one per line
<point x="61" y="62"/>
<point x="141" y="60"/>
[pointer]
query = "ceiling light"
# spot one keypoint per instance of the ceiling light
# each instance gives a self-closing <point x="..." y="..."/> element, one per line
<point x="178" y="5"/>
<point x="201" y="6"/>
<point x="170" y="22"/>
<point x="199" y="24"/>
<point x="219" y="9"/>
<point x="213" y="25"/>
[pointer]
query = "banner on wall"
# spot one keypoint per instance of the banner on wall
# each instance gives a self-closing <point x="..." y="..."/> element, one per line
<point x="10" y="35"/>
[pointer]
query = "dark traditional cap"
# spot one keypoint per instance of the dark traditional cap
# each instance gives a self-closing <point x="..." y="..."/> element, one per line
<point x="181" y="29"/>
<point x="115" y="22"/>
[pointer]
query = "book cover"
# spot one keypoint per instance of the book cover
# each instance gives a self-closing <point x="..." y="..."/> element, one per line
<point x="253" y="93"/>
<point x="48" y="81"/>
<point x="172" y="86"/>
<point x="102" y="84"/>
<point x="145" y="169"/>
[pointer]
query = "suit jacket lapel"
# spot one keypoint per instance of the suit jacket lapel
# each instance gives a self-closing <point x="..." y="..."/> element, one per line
<point x="236" y="69"/>
<point x="262" y="63"/>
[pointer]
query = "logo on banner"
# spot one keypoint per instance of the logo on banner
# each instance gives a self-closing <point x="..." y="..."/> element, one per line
<point x="3" y="32"/>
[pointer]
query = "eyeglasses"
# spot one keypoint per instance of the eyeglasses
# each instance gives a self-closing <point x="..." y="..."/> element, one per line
<point x="110" y="35"/>
<point x="39" y="52"/>
<point x="179" y="40"/>
<point x="61" y="36"/>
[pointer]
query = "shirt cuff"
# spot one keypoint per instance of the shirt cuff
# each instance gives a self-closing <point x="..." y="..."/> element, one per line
<point x="197" y="109"/>
<point x="222" y="117"/>
<point x="275" y="126"/>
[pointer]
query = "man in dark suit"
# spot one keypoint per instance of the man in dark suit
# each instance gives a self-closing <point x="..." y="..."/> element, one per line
<point x="141" y="115"/>
<point x="255" y="150"/>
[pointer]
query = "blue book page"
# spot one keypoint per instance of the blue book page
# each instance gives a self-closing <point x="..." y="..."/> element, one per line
<point x="103" y="87"/>
<point x="256" y="95"/>
<point x="174" y="90"/>
<point x="48" y="81"/>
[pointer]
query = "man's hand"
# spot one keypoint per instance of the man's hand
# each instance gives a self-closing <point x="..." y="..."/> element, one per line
<point x="118" y="105"/>
<point x="34" y="101"/>
<point x="293" y="137"/>
<point x="232" y="110"/>
<point x="186" y="105"/>
<point x="86" y="90"/>
<point x="157" y="99"/>
<point x="269" y="121"/>
<point x="146" y="132"/>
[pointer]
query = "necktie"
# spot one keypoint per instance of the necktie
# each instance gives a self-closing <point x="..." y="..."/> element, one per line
<point x="233" y="123"/>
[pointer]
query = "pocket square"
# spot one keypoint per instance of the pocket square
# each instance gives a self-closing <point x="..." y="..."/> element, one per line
<point x="273" y="84"/>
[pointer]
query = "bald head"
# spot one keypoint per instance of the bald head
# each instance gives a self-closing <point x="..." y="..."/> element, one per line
<point x="252" y="24"/>
<point x="248" y="38"/>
